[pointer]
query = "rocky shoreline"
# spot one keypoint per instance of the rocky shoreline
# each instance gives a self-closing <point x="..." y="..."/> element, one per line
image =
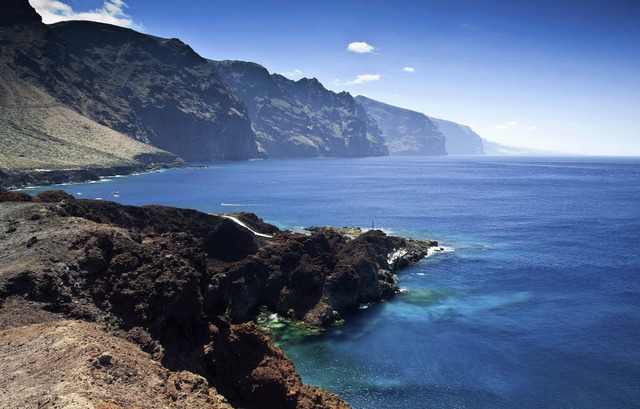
<point x="166" y="297"/>
<point x="19" y="179"/>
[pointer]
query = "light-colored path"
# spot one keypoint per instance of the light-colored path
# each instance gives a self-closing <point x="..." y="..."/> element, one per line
<point x="235" y="219"/>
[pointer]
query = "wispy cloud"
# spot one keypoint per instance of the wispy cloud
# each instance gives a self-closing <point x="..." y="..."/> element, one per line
<point x="293" y="74"/>
<point x="111" y="12"/>
<point x="362" y="78"/>
<point x="409" y="69"/>
<point x="514" y="126"/>
<point x="360" y="47"/>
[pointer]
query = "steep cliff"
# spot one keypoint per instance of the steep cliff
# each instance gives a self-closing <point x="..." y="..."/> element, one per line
<point x="301" y="118"/>
<point x="406" y="132"/>
<point x="461" y="140"/>
<point x="37" y="130"/>
<point x="155" y="90"/>
<point x="77" y="86"/>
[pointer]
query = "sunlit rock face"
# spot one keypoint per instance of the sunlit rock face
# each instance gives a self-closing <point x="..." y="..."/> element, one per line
<point x="301" y="118"/>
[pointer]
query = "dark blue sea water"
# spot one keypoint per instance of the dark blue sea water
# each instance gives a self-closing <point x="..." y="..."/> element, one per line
<point x="538" y="307"/>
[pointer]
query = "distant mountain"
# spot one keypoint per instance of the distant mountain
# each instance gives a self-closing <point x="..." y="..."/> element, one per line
<point x="461" y="140"/>
<point x="301" y="118"/>
<point x="493" y="148"/>
<point x="406" y="132"/>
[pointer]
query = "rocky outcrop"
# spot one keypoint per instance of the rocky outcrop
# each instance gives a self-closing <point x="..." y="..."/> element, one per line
<point x="184" y="286"/>
<point x="406" y="132"/>
<point x="301" y="118"/>
<point x="461" y="140"/>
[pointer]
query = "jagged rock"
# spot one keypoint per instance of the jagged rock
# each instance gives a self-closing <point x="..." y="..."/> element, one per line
<point x="9" y="196"/>
<point x="183" y="285"/>
<point x="52" y="196"/>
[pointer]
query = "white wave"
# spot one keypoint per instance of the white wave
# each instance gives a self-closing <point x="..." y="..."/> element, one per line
<point x="236" y="204"/>
<point x="438" y="250"/>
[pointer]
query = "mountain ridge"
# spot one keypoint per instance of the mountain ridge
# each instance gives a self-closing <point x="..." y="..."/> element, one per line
<point x="301" y="118"/>
<point x="406" y="132"/>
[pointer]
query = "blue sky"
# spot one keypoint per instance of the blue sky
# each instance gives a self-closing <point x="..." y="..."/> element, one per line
<point x="558" y="75"/>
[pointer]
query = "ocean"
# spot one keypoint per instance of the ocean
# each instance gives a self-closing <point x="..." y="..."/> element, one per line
<point x="537" y="307"/>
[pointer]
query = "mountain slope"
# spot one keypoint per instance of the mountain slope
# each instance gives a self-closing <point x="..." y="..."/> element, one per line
<point x="406" y="132"/>
<point x="301" y="118"/>
<point x="39" y="132"/>
<point x="93" y="95"/>
<point x="155" y="90"/>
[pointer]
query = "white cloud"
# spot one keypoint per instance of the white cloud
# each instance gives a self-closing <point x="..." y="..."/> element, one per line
<point x="292" y="74"/>
<point x="514" y="126"/>
<point x="362" y="78"/>
<point x="360" y="47"/>
<point x="111" y="12"/>
<point x="409" y="69"/>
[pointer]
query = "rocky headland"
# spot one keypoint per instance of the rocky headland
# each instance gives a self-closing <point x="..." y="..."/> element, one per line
<point x="106" y="305"/>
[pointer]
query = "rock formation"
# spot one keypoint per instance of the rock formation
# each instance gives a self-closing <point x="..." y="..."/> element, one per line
<point x="405" y="132"/>
<point x="301" y="118"/>
<point x="181" y="288"/>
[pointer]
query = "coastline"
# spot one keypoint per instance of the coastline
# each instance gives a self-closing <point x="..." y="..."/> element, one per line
<point x="151" y="275"/>
<point x="21" y="179"/>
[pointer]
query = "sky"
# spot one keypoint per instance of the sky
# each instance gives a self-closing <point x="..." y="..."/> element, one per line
<point x="561" y="76"/>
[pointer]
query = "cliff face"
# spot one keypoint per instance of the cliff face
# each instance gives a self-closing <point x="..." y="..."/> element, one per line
<point x="37" y="131"/>
<point x="184" y="287"/>
<point x="301" y="118"/>
<point x="461" y="140"/>
<point x="406" y="132"/>
<point x="155" y="90"/>
<point x="75" y="86"/>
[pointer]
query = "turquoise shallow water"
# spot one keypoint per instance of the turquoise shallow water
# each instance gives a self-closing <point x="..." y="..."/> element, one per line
<point x="539" y="306"/>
